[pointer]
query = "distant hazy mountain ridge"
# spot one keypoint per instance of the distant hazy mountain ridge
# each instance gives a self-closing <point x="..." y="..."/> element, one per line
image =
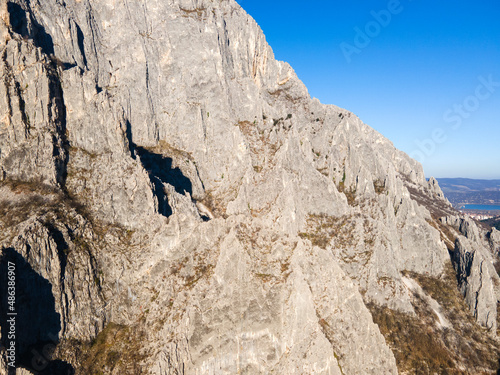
<point x="463" y="190"/>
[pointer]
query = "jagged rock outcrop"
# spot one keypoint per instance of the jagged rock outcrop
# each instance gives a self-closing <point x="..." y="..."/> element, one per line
<point x="33" y="115"/>
<point x="57" y="278"/>
<point x="187" y="208"/>
<point x="494" y="241"/>
<point x="475" y="264"/>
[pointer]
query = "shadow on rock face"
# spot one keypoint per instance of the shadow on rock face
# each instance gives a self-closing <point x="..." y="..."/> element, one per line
<point x="18" y="19"/>
<point x="161" y="167"/>
<point x="19" y="22"/>
<point x="160" y="171"/>
<point x="31" y="315"/>
<point x="57" y="367"/>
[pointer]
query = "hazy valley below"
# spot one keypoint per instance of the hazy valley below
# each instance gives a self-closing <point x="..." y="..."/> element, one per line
<point x="472" y="195"/>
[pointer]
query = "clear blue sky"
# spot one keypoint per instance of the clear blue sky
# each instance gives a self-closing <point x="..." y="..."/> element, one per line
<point x="411" y="77"/>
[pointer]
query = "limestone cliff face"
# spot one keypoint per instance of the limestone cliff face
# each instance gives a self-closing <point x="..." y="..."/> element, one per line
<point x="186" y="208"/>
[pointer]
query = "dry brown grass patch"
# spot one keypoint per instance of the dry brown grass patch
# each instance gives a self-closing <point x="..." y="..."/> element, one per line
<point x="116" y="349"/>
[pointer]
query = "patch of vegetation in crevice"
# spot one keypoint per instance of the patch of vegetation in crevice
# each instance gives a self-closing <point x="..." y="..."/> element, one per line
<point x="116" y="349"/>
<point x="51" y="205"/>
<point x="350" y="193"/>
<point x="422" y="346"/>
<point x="323" y="228"/>
<point x="214" y="204"/>
<point x="197" y="13"/>
<point x="31" y="198"/>
<point x="379" y="186"/>
<point x="415" y="348"/>
<point x="269" y="267"/>
<point x="437" y="207"/>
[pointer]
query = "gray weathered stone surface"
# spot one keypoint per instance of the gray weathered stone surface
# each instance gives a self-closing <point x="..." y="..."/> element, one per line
<point x="162" y="171"/>
<point x="474" y="261"/>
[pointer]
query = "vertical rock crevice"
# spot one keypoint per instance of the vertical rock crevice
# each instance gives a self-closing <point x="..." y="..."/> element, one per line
<point x="28" y="75"/>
